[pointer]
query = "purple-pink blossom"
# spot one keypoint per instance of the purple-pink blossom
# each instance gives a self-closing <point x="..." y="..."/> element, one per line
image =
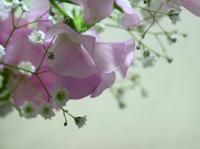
<point x="82" y="65"/>
<point x="51" y="50"/>
<point x="96" y="10"/>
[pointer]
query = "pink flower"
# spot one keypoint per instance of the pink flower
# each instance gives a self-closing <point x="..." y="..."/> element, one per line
<point x="81" y="65"/>
<point x="81" y="56"/>
<point x="130" y="18"/>
<point x="30" y="88"/>
<point x="97" y="10"/>
<point x="6" y="29"/>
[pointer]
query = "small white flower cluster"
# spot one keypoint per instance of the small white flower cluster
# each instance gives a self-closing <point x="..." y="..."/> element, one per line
<point x="2" y="51"/>
<point x="60" y="96"/>
<point x="29" y="110"/>
<point x="46" y="111"/>
<point x="26" y="68"/>
<point x="37" y="37"/>
<point x="8" y="4"/>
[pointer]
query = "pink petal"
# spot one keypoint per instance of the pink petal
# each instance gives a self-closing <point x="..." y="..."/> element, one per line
<point x="130" y="53"/>
<point x="79" y="88"/>
<point x="192" y="5"/>
<point x="30" y="89"/>
<point x="23" y="50"/>
<point x="37" y="9"/>
<point x="71" y="59"/>
<point x="110" y="56"/>
<point x="130" y="19"/>
<point x="73" y="36"/>
<point x="6" y="29"/>
<point x="107" y="80"/>
<point x="96" y="10"/>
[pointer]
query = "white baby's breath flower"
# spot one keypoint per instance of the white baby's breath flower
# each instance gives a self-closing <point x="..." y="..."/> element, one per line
<point x="8" y="4"/>
<point x="25" y="7"/>
<point x="174" y="15"/>
<point x="16" y="3"/>
<point x="29" y="110"/>
<point x="60" y="96"/>
<point x="149" y="61"/>
<point x="80" y="121"/>
<point x="2" y="51"/>
<point x="46" y="111"/>
<point x="26" y="68"/>
<point x="37" y="37"/>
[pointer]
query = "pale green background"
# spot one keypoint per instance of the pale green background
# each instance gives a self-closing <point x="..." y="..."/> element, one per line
<point x="168" y="119"/>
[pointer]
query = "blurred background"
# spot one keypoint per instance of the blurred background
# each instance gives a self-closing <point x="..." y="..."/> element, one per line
<point x="169" y="118"/>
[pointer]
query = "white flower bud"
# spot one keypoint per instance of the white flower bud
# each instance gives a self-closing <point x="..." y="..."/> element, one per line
<point x="37" y="37"/>
<point x="26" y="68"/>
<point x="2" y="51"/>
<point x="149" y="61"/>
<point x="46" y="111"/>
<point x="29" y="110"/>
<point x="25" y="7"/>
<point x="80" y="121"/>
<point x="60" y="96"/>
<point x="8" y="4"/>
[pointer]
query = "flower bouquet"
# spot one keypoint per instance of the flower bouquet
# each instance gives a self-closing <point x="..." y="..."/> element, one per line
<point x="51" y="51"/>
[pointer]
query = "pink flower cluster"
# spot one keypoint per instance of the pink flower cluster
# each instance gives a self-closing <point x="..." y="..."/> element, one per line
<point x="81" y="63"/>
<point x="78" y="62"/>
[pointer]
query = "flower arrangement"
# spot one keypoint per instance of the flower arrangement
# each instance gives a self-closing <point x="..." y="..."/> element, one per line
<point x="51" y="50"/>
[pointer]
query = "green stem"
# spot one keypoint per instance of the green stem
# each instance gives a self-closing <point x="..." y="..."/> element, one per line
<point x="66" y="16"/>
<point x="67" y="112"/>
